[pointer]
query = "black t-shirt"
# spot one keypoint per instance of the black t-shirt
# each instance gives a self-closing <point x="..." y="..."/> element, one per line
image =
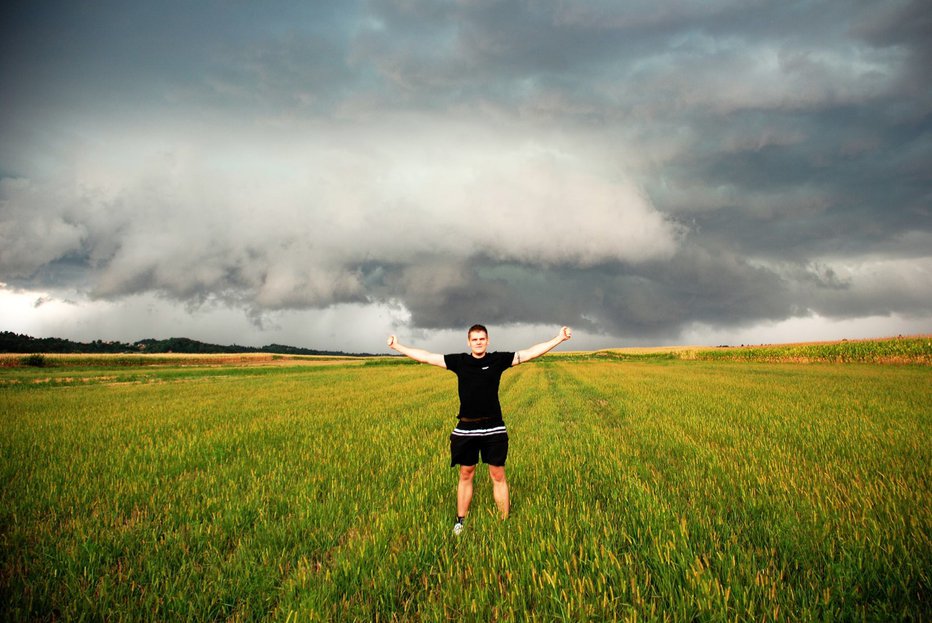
<point x="478" y="382"/>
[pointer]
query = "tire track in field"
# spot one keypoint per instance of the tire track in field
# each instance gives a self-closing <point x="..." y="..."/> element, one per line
<point x="754" y="510"/>
<point x="651" y="534"/>
<point x="598" y="528"/>
<point x="414" y="507"/>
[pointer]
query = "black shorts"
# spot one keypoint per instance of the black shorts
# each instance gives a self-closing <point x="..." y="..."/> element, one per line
<point x="467" y="446"/>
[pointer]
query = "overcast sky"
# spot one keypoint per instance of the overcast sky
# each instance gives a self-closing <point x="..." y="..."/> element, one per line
<point x="322" y="174"/>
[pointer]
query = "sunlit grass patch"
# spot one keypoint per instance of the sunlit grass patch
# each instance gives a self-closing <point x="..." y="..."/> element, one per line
<point x="646" y="489"/>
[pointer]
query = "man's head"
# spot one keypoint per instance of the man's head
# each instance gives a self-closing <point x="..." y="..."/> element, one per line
<point x="478" y="339"/>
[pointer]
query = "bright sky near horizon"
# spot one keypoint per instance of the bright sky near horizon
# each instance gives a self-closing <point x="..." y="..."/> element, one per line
<point x="322" y="174"/>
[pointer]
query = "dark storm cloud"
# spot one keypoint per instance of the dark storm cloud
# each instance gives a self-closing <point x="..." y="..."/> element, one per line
<point x="651" y="300"/>
<point x="634" y="168"/>
<point x="843" y="184"/>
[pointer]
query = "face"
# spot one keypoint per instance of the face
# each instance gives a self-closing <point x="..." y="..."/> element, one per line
<point x="478" y="341"/>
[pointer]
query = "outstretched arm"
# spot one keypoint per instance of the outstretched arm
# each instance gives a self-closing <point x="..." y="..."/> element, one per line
<point x="523" y="356"/>
<point x="417" y="354"/>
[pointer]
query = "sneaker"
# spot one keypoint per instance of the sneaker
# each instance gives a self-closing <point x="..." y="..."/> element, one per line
<point x="457" y="528"/>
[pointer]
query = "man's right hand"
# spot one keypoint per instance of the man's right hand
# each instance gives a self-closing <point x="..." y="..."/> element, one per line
<point x="416" y="354"/>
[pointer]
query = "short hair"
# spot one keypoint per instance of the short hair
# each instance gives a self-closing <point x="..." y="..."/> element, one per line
<point x="476" y="328"/>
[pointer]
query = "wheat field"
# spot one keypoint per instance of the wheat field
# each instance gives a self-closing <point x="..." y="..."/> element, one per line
<point x="659" y="490"/>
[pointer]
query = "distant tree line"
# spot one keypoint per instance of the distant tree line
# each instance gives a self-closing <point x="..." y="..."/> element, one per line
<point x="15" y="343"/>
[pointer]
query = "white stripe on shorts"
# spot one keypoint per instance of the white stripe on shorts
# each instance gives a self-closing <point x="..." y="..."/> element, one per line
<point x="479" y="432"/>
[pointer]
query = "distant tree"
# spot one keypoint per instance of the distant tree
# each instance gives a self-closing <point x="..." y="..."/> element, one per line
<point x="35" y="360"/>
<point x="15" y="343"/>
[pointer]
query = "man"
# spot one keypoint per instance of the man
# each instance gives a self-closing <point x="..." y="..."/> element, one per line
<point x="480" y="430"/>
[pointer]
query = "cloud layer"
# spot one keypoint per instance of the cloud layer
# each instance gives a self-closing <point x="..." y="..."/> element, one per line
<point x="632" y="168"/>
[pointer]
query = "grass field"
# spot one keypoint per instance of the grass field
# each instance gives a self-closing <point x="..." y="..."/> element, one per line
<point x="654" y="489"/>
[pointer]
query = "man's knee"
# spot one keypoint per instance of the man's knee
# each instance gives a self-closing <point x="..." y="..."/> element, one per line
<point x="467" y="471"/>
<point x="497" y="472"/>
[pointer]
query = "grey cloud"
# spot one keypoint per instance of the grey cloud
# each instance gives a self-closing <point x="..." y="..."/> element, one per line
<point x="879" y="287"/>
<point x="900" y="25"/>
<point x="32" y="237"/>
<point x="847" y="185"/>
<point x="724" y="56"/>
<point x="713" y="287"/>
<point x="633" y="168"/>
<point x="648" y="301"/>
<point x="187" y="227"/>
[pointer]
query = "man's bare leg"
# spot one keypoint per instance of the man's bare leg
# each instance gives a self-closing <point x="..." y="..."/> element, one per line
<point x="500" y="489"/>
<point x="464" y="489"/>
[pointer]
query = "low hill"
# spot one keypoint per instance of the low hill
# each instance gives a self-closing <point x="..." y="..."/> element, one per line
<point x="15" y="343"/>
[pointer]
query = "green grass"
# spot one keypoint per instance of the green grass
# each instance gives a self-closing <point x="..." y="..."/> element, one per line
<point x="641" y="490"/>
